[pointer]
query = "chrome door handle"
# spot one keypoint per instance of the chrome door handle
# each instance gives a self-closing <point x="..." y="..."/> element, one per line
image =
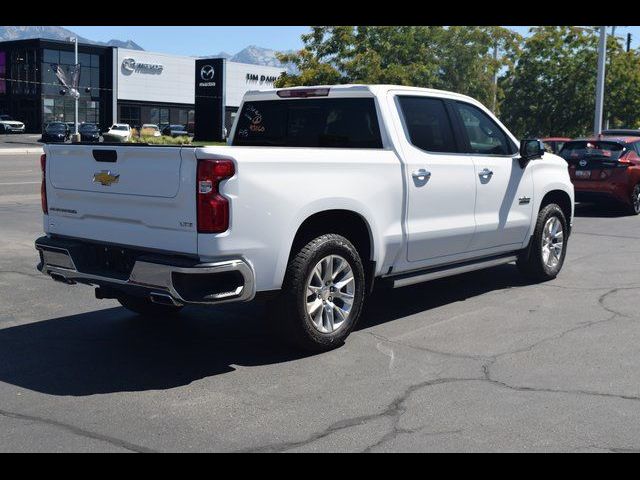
<point x="486" y="173"/>
<point x="421" y="174"/>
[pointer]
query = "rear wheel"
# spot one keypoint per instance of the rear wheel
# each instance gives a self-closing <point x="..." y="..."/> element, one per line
<point x="322" y="294"/>
<point x="544" y="258"/>
<point x="634" y="209"/>
<point x="145" y="307"/>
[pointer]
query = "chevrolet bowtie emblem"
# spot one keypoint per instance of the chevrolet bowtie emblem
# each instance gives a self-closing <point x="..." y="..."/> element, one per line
<point x="106" y="178"/>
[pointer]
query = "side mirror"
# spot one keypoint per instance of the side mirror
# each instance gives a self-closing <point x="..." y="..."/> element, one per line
<point x="530" y="149"/>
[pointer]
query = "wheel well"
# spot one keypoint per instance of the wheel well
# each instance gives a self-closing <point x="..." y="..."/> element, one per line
<point x="347" y="223"/>
<point x="562" y="199"/>
<point x="343" y="222"/>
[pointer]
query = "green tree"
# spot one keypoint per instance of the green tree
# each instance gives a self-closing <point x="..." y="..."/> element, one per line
<point x="551" y="90"/>
<point x="454" y="58"/>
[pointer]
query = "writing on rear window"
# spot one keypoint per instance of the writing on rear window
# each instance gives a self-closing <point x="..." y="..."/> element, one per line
<point x="328" y="123"/>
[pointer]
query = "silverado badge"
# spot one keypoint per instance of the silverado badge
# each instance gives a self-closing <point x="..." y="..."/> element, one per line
<point x="105" y="177"/>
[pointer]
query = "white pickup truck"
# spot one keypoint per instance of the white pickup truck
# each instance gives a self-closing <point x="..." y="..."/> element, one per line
<point x="320" y="192"/>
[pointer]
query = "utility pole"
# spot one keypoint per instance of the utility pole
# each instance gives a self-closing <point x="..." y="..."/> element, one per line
<point x="75" y="132"/>
<point x="495" y="77"/>
<point x="628" y="42"/>
<point x="602" y="56"/>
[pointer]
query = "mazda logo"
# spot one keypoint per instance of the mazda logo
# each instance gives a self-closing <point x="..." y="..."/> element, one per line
<point x="129" y="64"/>
<point x="583" y="163"/>
<point x="207" y="72"/>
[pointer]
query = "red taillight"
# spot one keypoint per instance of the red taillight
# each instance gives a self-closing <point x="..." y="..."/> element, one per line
<point x="213" y="208"/>
<point x="43" y="185"/>
<point x="303" y="92"/>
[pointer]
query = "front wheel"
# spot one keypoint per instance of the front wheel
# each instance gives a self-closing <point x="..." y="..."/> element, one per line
<point x="544" y="258"/>
<point x="322" y="295"/>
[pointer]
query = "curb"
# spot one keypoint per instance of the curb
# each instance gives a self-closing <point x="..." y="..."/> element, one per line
<point x="21" y="151"/>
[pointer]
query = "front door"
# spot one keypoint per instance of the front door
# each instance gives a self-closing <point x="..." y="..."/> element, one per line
<point x="504" y="194"/>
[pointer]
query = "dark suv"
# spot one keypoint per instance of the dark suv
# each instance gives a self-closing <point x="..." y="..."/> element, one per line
<point x="605" y="168"/>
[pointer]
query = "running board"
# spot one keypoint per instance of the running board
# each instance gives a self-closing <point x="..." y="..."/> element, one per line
<point x="449" y="270"/>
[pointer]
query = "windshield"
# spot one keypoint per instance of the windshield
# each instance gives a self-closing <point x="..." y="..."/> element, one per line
<point x="591" y="149"/>
<point x="56" y="127"/>
<point x="119" y="127"/>
<point x="88" y="128"/>
<point x="5" y="117"/>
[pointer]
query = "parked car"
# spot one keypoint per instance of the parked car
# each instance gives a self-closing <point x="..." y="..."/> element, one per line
<point x="119" y="132"/>
<point x="605" y="168"/>
<point x="388" y="184"/>
<point x="150" y="130"/>
<point x="55" y="132"/>
<point x="625" y="132"/>
<point x="89" y="132"/>
<point x="554" y="144"/>
<point x="9" y="125"/>
<point x="175" y="131"/>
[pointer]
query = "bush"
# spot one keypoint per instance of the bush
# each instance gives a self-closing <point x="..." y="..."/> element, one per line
<point x="163" y="140"/>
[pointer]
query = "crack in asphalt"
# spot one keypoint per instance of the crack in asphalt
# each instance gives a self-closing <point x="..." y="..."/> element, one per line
<point x="394" y="411"/>
<point x="78" y="431"/>
<point x="397" y="407"/>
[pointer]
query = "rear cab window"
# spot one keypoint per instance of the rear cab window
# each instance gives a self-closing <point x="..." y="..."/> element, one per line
<point x="324" y="123"/>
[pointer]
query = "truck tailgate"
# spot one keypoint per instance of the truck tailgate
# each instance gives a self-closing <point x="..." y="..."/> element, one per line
<point x="128" y="195"/>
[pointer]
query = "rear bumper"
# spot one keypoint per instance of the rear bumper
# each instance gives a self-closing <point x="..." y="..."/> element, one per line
<point x="162" y="278"/>
<point x="602" y="192"/>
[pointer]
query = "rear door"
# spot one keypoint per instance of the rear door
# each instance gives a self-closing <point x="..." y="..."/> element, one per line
<point x="131" y="195"/>
<point x="441" y="187"/>
<point x="593" y="161"/>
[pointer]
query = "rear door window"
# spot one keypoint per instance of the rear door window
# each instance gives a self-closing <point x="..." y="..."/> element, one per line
<point x="329" y="123"/>
<point x="428" y="124"/>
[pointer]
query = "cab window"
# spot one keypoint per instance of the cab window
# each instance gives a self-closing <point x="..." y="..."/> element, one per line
<point x="484" y="135"/>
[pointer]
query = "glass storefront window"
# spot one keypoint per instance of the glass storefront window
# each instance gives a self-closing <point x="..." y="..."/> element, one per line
<point x="3" y="73"/>
<point x="67" y="58"/>
<point x="50" y="56"/>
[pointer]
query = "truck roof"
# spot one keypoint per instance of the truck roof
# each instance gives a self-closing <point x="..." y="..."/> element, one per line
<point x="356" y="90"/>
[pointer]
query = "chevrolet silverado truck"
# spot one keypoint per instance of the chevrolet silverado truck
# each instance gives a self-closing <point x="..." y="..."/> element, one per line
<point x="320" y="193"/>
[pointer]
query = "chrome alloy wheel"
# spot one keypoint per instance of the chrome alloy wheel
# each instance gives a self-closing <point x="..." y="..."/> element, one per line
<point x="552" y="242"/>
<point x="329" y="294"/>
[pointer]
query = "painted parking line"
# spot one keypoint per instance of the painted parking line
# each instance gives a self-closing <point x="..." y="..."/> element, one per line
<point x="20" y="183"/>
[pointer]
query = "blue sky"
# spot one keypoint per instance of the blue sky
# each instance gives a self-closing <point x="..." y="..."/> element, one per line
<point x="198" y="41"/>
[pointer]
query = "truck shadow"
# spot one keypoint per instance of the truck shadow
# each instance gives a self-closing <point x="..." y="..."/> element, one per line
<point x="113" y="350"/>
<point x="599" y="210"/>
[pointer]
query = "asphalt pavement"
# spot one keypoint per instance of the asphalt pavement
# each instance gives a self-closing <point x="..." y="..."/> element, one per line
<point x="478" y="362"/>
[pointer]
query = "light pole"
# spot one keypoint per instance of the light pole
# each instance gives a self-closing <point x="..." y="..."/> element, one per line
<point x="75" y="132"/>
<point x="602" y="55"/>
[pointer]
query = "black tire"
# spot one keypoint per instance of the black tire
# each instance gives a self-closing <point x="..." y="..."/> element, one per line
<point x="634" y="208"/>
<point x="289" y="310"/>
<point x="146" y="308"/>
<point x="531" y="262"/>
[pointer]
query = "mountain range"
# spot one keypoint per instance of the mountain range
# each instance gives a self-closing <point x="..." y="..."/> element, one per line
<point x="252" y="54"/>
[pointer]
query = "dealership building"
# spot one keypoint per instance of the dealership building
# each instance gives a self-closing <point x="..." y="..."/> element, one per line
<point x="116" y="84"/>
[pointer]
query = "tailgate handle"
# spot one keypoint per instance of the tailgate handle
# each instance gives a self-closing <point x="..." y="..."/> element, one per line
<point x="105" y="155"/>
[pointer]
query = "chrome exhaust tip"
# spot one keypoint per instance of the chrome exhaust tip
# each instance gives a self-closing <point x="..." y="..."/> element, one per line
<point x="164" y="299"/>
